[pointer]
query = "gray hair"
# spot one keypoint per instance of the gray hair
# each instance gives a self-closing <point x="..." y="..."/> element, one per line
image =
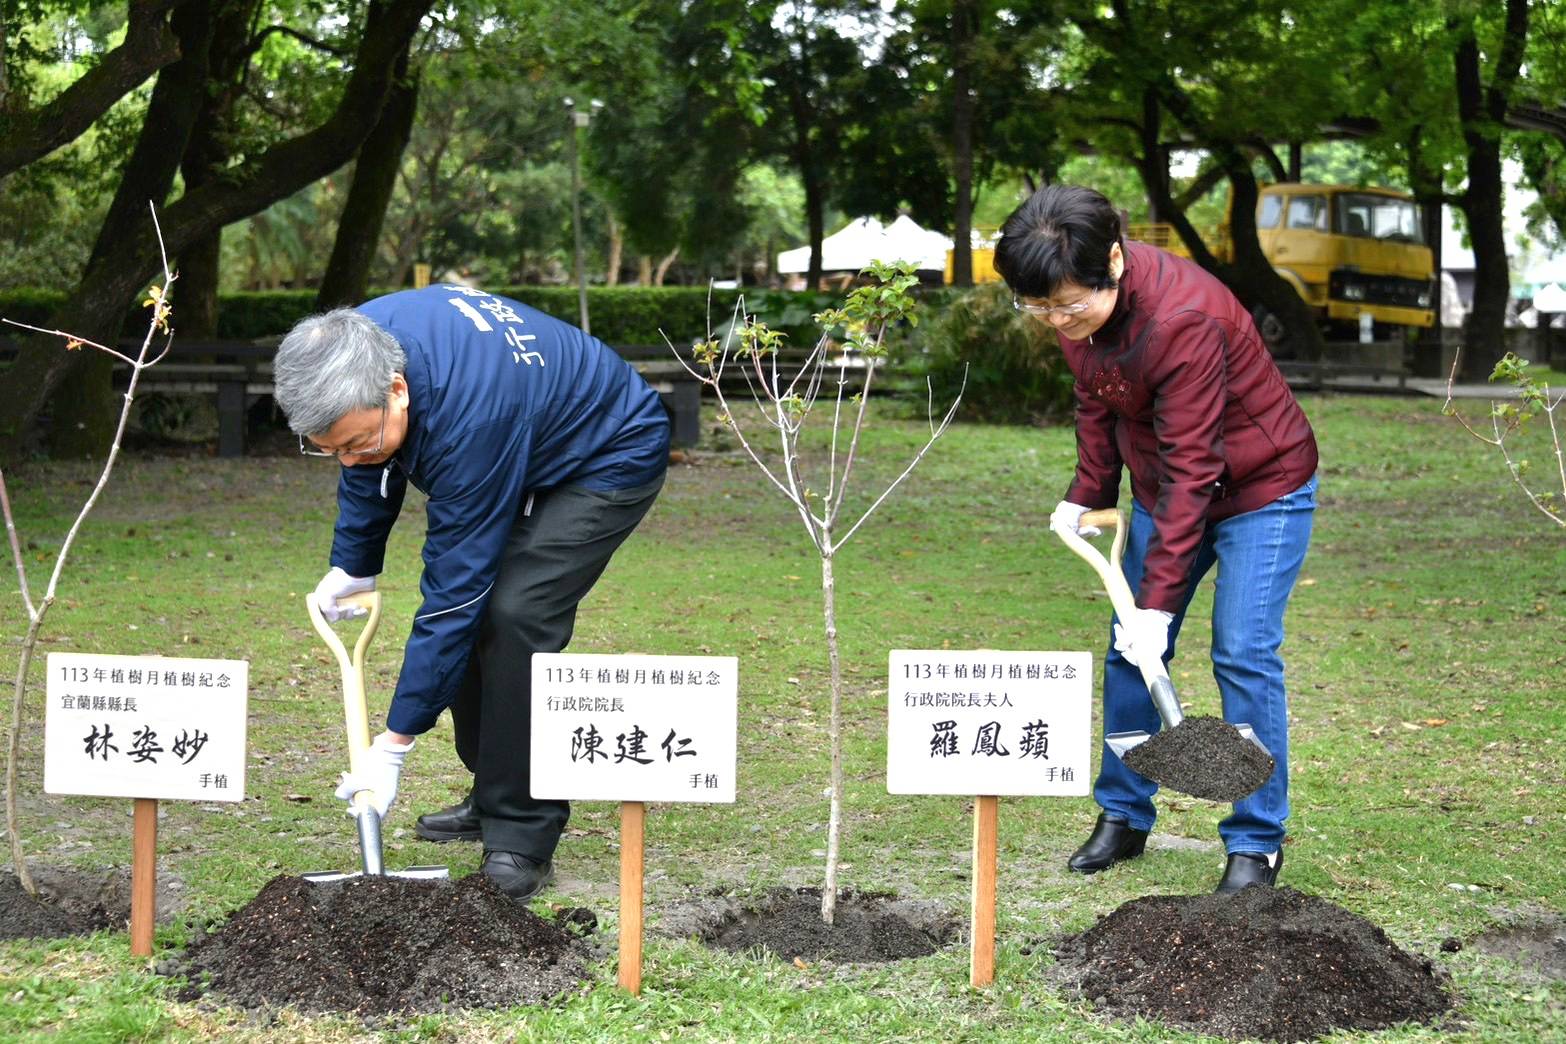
<point x="332" y="364"/>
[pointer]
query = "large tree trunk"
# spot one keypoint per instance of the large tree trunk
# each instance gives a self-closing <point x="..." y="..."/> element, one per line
<point x="964" y="25"/>
<point x="1482" y="111"/>
<point x="207" y="155"/>
<point x="127" y="255"/>
<point x="815" y="220"/>
<point x="84" y="414"/>
<point x="1253" y="279"/>
<point x="347" y="276"/>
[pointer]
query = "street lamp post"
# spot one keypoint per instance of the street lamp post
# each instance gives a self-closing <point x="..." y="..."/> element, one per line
<point x="580" y="118"/>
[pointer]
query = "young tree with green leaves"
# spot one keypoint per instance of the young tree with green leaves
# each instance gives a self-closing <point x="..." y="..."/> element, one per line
<point x="851" y="347"/>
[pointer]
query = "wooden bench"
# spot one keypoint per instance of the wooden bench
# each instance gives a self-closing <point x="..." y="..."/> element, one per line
<point x="1312" y="376"/>
<point x="240" y="372"/>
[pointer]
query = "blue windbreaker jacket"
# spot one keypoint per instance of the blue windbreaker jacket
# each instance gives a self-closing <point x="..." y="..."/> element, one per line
<point x="504" y="400"/>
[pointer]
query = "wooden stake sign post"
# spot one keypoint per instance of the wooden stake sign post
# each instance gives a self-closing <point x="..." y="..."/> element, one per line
<point x="147" y="728"/>
<point x="634" y="729"/>
<point x="988" y="723"/>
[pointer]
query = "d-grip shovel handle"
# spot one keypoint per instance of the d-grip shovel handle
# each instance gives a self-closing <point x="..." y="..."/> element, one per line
<point x="355" y="715"/>
<point x="1159" y="686"/>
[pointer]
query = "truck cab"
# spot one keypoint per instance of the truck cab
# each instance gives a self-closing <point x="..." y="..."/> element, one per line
<point x="1349" y="251"/>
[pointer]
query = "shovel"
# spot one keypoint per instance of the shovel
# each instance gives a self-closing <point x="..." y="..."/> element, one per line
<point x="357" y="720"/>
<point x="1159" y="687"/>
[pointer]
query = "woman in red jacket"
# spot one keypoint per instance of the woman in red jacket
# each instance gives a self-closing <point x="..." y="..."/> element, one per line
<point x="1174" y="384"/>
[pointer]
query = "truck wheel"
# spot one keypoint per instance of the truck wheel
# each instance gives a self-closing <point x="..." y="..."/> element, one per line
<point x="1273" y="333"/>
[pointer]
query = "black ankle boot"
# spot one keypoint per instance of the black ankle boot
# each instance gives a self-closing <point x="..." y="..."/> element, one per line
<point x="1113" y="840"/>
<point x="1248" y="868"/>
<point x="459" y="822"/>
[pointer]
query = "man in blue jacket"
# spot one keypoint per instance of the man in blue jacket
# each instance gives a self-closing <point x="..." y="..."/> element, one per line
<point x="539" y="450"/>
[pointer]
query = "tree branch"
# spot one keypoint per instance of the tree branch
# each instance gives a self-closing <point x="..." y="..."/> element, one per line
<point x="149" y="45"/>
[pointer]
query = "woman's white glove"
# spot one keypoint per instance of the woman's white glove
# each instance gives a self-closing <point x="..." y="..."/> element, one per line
<point x="338" y="584"/>
<point x="378" y="773"/>
<point x="1067" y="516"/>
<point x="1144" y="637"/>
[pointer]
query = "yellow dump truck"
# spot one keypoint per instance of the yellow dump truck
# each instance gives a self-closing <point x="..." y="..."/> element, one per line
<point x="1349" y="251"/>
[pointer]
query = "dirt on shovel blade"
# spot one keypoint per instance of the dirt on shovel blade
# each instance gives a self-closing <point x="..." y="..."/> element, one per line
<point x="383" y="945"/>
<point x="1269" y="964"/>
<point x="1203" y="756"/>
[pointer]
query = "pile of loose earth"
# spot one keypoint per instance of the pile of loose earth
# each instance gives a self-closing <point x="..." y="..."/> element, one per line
<point x="865" y="927"/>
<point x="1272" y="964"/>
<point x="383" y="945"/>
<point x="71" y="902"/>
<point x="1203" y="756"/>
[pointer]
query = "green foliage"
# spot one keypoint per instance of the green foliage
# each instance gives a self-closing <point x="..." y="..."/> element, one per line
<point x="1015" y="370"/>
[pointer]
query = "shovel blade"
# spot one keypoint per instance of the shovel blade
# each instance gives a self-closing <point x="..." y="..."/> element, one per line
<point x="420" y="873"/>
<point x="1247" y="732"/>
<point x="1120" y="742"/>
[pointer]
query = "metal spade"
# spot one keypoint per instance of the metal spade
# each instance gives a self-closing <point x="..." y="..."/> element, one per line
<point x="357" y="720"/>
<point x="1155" y="675"/>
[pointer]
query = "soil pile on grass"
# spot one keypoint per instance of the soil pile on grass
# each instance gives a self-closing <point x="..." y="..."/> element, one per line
<point x="383" y="945"/>
<point x="866" y="927"/>
<point x="73" y="902"/>
<point x="1203" y="756"/>
<point x="1265" y="963"/>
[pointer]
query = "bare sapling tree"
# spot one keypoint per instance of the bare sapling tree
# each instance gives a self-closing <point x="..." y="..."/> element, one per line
<point x="158" y="301"/>
<point x="784" y="398"/>
<point x="1507" y="419"/>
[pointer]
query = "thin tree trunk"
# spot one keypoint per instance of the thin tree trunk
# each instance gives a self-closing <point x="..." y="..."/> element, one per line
<point x="835" y="736"/>
<point x="1482" y="109"/>
<point x="964" y="21"/>
<point x="664" y="265"/>
<point x="14" y="753"/>
<point x="616" y="251"/>
<point x="644" y="268"/>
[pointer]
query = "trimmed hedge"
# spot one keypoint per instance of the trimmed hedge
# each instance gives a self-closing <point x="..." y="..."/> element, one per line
<point x="620" y="315"/>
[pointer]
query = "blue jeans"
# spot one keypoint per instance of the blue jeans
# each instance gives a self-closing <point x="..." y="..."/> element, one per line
<point x="1258" y="555"/>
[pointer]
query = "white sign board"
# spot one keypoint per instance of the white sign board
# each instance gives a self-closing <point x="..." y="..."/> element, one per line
<point x="992" y="723"/>
<point x="145" y="727"/>
<point x="634" y="728"/>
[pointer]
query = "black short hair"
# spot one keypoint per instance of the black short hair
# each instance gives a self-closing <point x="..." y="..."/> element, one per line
<point x="1062" y="234"/>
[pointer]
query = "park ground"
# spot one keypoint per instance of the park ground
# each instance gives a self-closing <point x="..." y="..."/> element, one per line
<point x="1426" y="669"/>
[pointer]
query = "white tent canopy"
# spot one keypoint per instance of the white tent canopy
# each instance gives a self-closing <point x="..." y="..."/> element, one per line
<point x="866" y="240"/>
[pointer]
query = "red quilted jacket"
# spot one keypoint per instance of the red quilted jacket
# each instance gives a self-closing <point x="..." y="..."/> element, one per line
<point x="1178" y="386"/>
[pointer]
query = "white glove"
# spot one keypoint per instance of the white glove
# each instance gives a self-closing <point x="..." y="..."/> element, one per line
<point x="1144" y="637"/>
<point x="338" y="584"/>
<point x="378" y="773"/>
<point x="1066" y="516"/>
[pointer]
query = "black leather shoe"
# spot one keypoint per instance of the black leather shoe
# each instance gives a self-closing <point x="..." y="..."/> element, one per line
<point x="459" y="822"/>
<point x="1248" y="868"/>
<point x="1113" y="840"/>
<point x="517" y="875"/>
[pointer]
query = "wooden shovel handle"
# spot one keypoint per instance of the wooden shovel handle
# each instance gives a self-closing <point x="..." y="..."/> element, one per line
<point x="1103" y="518"/>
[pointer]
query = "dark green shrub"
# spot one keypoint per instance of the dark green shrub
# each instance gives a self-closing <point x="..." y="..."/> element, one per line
<point x="1016" y="372"/>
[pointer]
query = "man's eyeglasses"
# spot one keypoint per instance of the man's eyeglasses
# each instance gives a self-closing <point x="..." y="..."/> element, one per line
<point x="310" y="451"/>
<point x="1045" y="310"/>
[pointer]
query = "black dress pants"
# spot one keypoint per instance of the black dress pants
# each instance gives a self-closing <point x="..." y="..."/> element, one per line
<point x="557" y="550"/>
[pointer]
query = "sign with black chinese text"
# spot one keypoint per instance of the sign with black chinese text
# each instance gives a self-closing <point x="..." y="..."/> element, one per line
<point x="634" y="728"/>
<point x="145" y="727"/>
<point x="989" y="722"/>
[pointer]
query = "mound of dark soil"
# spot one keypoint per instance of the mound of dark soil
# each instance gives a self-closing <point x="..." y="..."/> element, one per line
<point x="1203" y="756"/>
<point x="1265" y="963"/>
<point x="73" y="902"/>
<point x="382" y="945"/>
<point x="866" y="927"/>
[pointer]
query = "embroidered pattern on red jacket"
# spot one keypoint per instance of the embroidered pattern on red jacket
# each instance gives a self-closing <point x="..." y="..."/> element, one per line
<point x="1111" y="386"/>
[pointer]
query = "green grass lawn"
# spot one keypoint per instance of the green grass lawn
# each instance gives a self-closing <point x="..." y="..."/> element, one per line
<point x="1426" y="676"/>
